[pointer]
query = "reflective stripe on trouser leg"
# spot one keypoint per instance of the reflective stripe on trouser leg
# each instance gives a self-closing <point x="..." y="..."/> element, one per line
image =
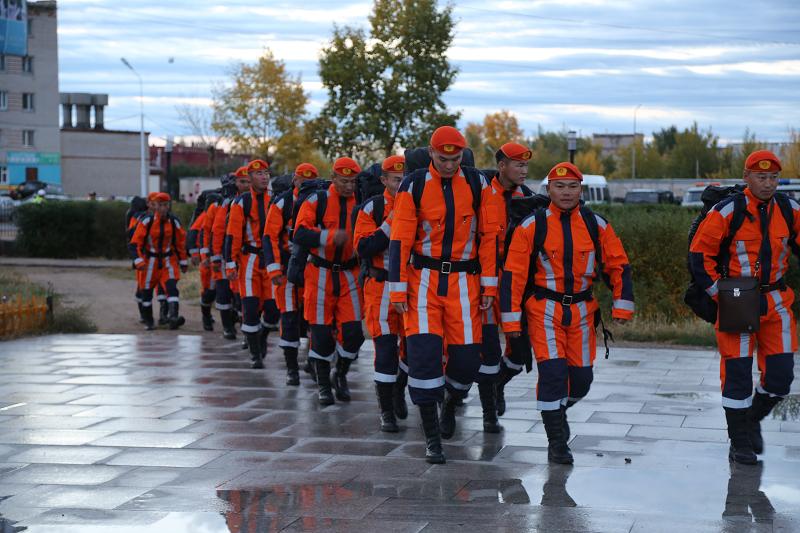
<point x="352" y="336"/>
<point x="322" y="345"/>
<point x="250" y="315"/>
<point x="290" y="330"/>
<point x="552" y="387"/>
<point x="147" y="297"/>
<point x="223" y="298"/>
<point x="777" y="374"/>
<point x="270" y="314"/>
<point x="736" y="374"/>
<point x="172" y="290"/>
<point x="490" y="354"/>
<point x="386" y="358"/>
<point x="518" y="350"/>
<point x="463" y="362"/>
<point x="580" y="379"/>
<point x="425" y="372"/>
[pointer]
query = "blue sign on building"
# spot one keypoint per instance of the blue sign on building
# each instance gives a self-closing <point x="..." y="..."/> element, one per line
<point x="29" y="166"/>
<point x="14" y="27"/>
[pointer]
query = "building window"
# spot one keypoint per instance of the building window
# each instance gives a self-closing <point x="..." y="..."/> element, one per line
<point x="3" y="101"/>
<point x="3" y="175"/>
<point x="27" y="64"/>
<point x="30" y="27"/>
<point x="27" y="101"/>
<point x="2" y="62"/>
<point x="27" y="138"/>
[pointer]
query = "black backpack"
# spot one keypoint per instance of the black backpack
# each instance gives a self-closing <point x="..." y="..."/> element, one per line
<point x="369" y="183"/>
<point x="520" y="208"/>
<point x="299" y="257"/>
<point x="378" y="208"/>
<point x="695" y="296"/>
<point x="281" y="184"/>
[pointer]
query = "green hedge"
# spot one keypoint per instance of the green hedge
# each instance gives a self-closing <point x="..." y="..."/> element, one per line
<point x="71" y="229"/>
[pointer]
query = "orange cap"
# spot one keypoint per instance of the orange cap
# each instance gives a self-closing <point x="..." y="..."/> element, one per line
<point x="344" y="166"/>
<point x="448" y="140"/>
<point x="241" y="172"/>
<point x="516" y="151"/>
<point x="257" y="164"/>
<point x="162" y="197"/>
<point x="306" y="170"/>
<point x="564" y="171"/>
<point x="153" y="196"/>
<point x="394" y="163"/>
<point x="763" y="161"/>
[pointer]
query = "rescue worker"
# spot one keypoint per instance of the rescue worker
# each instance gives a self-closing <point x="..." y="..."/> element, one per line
<point x="759" y="248"/>
<point x="244" y="261"/>
<point x="498" y="369"/>
<point x="553" y="287"/>
<point x="158" y="248"/>
<point x="384" y="323"/>
<point x="442" y="274"/>
<point x="332" y="298"/>
<point x="215" y="225"/>
<point x="139" y="208"/>
<point x="277" y="251"/>
<point x="199" y="254"/>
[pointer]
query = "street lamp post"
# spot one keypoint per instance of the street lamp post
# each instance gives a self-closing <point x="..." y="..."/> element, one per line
<point x="572" y="144"/>
<point x="142" y="166"/>
<point x="633" y="150"/>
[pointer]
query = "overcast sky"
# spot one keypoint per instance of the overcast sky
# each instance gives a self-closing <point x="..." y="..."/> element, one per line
<point x="574" y="64"/>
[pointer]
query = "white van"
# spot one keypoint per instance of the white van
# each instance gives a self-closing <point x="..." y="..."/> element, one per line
<point x="595" y="189"/>
<point x="691" y="198"/>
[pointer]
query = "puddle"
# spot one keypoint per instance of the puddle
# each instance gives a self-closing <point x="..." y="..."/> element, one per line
<point x="679" y="395"/>
<point x="788" y="409"/>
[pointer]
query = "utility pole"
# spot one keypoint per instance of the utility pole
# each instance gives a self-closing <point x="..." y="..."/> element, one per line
<point x="142" y="166"/>
<point x="633" y="150"/>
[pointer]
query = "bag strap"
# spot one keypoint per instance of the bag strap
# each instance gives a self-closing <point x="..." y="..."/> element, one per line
<point x="590" y="219"/>
<point x="739" y="212"/>
<point x="785" y="205"/>
<point x="378" y="206"/>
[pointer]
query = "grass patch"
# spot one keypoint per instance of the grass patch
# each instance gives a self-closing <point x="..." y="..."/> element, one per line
<point x="70" y="320"/>
<point x="692" y="332"/>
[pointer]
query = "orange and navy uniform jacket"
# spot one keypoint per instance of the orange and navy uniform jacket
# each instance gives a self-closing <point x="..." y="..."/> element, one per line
<point x="437" y="235"/>
<point x="319" y="240"/>
<point x="159" y="240"/>
<point x="209" y="235"/>
<point x="566" y="264"/>
<point x="244" y="230"/>
<point x="194" y="237"/>
<point x="504" y="197"/>
<point x="745" y="247"/>
<point x="276" y="235"/>
<point x="370" y="239"/>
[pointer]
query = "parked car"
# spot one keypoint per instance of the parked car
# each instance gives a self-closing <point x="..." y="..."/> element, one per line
<point x="649" y="196"/>
<point x="7" y="208"/>
<point x="594" y="189"/>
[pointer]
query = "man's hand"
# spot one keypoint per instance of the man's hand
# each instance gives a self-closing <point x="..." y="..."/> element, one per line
<point x="486" y="302"/>
<point x="140" y="266"/>
<point x="216" y="266"/>
<point x="233" y="275"/>
<point x="341" y="237"/>
<point x="401" y="308"/>
<point x="184" y="268"/>
<point x="279" y="280"/>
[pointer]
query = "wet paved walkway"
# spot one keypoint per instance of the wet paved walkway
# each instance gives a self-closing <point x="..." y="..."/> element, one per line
<point x="119" y="433"/>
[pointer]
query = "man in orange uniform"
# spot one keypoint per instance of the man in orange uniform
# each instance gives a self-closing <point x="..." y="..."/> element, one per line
<point x="199" y="254"/>
<point x="442" y="274"/>
<point x="384" y="323"/>
<point x="215" y="226"/>
<point x="140" y="207"/>
<point x="244" y="261"/>
<point x="277" y="233"/>
<point x="332" y="298"/>
<point x="158" y="248"/>
<point x="553" y="286"/>
<point x="496" y="370"/>
<point x="768" y="225"/>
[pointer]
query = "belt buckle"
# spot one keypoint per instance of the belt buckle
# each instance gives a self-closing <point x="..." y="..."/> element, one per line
<point x="566" y="299"/>
<point x="446" y="267"/>
<point x="336" y="267"/>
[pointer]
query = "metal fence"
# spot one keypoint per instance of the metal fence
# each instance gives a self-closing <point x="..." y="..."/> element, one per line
<point x="8" y="225"/>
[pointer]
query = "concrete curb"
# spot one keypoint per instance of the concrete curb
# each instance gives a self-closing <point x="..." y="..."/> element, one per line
<point x="63" y="263"/>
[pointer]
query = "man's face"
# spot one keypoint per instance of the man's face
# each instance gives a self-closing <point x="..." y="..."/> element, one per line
<point x="512" y="172"/>
<point x="445" y="164"/>
<point x="162" y="208"/>
<point x="762" y="184"/>
<point x="565" y="194"/>
<point x="392" y="180"/>
<point x="298" y="180"/>
<point x="259" y="179"/>
<point x="345" y="185"/>
<point x="151" y="206"/>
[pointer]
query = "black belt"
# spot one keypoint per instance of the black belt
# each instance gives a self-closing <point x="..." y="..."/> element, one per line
<point x="159" y="256"/>
<point x="560" y="297"/>
<point x="319" y="262"/>
<point x="471" y="266"/>
<point x="779" y="285"/>
<point x="248" y="249"/>
<point x="378" y="274"/>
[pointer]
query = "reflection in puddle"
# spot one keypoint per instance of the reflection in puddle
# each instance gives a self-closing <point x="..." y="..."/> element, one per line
<point x="745" y="500"/>
<point x="681" y="395"/>
<point x="788" y="409"/>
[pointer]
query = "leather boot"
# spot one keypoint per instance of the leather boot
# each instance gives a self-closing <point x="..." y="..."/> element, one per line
<point x="339" y="379"/>
<point x="566" y="424"/>
<point x="741" y="451"/>
<point x="147" y="317"/>
<point x="500" y="389"/>
<point x="399" y="395"/>
<point x="311" y="370"/>
<point x="557" y="450"/>
<point x="447" y="424"/>
<point x="762" y="405"/>
<point x="292" y="370"/>
<point x="174" y="318"/>
<point x="163" y="313"/>
<point x="228" y="331"/>
<point x="254" y="344"/>
<point x="141" y="312"/>
<point x="244" y="345"/>
<point x="385" y="391"/>
<point x="263" y="335"/>
<point x="208" y="320"/>
<point x="486" y="392"/>
<point x="325" y="394"/>
<point x="430" y="426"/>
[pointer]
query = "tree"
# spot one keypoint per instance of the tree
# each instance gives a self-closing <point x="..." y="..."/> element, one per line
<point x="197" y="120"/>
<point x="262" y="106"/>
<point x="694" y="155"/>
<point x="486" y="138"/>
<point x="386" y="89"/>
<point x="649" y="161"/>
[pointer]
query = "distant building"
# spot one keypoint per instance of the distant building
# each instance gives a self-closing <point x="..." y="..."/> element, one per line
<point x="29" y="137"/>
<point x="609" y="143"/>
<point x="198" y="156"/>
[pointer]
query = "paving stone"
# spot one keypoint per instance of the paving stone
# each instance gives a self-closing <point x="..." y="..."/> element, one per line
<point x="149" y="439"/>
<point x="41" y="474"/>
<point x="165" y="457"/>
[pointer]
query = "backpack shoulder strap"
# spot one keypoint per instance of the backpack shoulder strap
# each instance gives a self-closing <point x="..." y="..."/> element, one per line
<point x="378" y="206"/>
<point x="526" y="191"/>
<point x="590" y="220"/>
<point x="539" y="232"/>
<point x="322" y="204"/>
<point x="418" y="185"/>
<point x="475" y="181"/>
<point x="737" y="219"/>
<point x="785" y="205"/>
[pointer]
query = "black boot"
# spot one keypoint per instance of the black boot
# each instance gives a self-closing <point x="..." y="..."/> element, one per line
<point x="141" y="312"/>
<point x="741" y="450"/>
<point x="399" y="395"/>
<point x="500" y="389"/>
<point x="311" y="370"/>
<point x="388" y="421"/>
<point x="244" y="344"/>
<point x="253" y="341"/>
<point x="323" y="369"/>
<point x="208" y="320"/>
<point x="566" y="424"/>
<point x="263" y="335"/>
<point x="292" y="370"/>
<point x="447" y="423"/>
<point x="147" y="317"/>
<point x="339" y="379"/>
<point x="430" y="426"/>
<point x="228" y="331"/>
<point x="486" y="392"/>
<point x="174" y="318"/>
<point x="163" y="314"/>
<point x="762" y="405"/>
<point x="557" y="450"/>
